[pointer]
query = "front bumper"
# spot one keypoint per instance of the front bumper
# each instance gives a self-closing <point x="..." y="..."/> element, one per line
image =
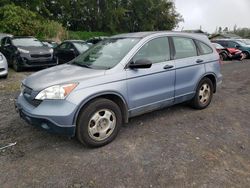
<point x="3" y="69"/>
<point x="27" y="62"/>
<point x="55" y="116"/>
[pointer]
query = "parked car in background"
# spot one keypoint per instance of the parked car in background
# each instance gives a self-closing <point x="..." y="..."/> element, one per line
<point x="26" y="52"/>
<point x="2" y="35"/>
<point x="95" y="40"/>
<point x="70" y="49"/>
<point x="227" y="53"/>
<point x="118" y="78"/>
<point x="50" y="43"/>
<point x="222" y="51"/>
<point x="3" y="66"/>
<point x="235" y="43"/>
<point x="246" y="41"/>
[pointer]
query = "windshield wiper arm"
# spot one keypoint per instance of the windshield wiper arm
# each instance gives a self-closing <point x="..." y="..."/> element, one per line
<point x="82" y="65"/>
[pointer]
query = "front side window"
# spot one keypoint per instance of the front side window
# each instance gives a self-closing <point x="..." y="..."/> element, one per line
<point x="106" y="54"/>
<point x="157" y="50"/>
<point x="184" y="47"/>
<point x="232" y="44"/>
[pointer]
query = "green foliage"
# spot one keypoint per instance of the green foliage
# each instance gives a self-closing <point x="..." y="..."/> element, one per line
<point x="20" y="21"/>
<point x="243" y="32"/>
<point x="107" y="15"/>
<point x="83" y="35"/>
<point x="51" y="30"/>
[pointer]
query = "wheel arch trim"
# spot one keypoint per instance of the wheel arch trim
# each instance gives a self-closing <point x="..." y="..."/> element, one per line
<point x="124" y="111"/>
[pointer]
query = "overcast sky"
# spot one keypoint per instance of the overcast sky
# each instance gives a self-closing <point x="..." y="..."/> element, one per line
<point x="210" y="14"/>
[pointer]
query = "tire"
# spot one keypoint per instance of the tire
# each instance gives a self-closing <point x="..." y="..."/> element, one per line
<point x="204" y="94"/>
<point x="223" y="56"/>
<point x="15" y="65"/>
<point x="99" y="123"/>
<point x="247" y="55"/>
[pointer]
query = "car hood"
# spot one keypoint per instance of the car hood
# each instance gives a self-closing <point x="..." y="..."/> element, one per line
<point x="60" y="74"/>
<point x="36" y="49"/>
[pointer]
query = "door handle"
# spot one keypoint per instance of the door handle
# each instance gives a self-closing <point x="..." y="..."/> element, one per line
<point x="168" y="66"/>
<point x="199" y="61"/>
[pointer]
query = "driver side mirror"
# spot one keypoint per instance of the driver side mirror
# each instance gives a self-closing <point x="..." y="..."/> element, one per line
<point x="140" y="64"/>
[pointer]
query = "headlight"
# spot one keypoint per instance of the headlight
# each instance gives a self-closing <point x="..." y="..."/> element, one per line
<point x="1" y="57"/>
<point x="23" y="51"/>
<point x="51" y="50"/>
<point x="56" y="92"/>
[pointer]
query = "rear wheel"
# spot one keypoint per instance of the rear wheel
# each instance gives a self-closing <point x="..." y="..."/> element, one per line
<point x="99" y="123"/>
<point x="223" y="56"/>
<point x="204" y="94"/>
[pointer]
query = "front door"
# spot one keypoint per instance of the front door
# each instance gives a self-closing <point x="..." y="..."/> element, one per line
<point x="151" y="88"/>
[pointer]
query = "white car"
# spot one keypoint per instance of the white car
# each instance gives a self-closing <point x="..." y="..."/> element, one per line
<point x="3" y="66"/>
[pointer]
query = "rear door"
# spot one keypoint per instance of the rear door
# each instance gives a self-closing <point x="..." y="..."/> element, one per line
<point x="151" y="88"/>
<point x="189" y="67"/>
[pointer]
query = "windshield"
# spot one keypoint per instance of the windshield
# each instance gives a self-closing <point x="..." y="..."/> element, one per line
<point x="241" y="43"/>
<point x="26" y="42"/>
<point x="246" y="41"/>
<point x="106" y="54"/>
<point x="81" y="47"/>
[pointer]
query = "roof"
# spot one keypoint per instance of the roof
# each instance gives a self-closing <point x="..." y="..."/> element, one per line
<point x="135" y="35"/>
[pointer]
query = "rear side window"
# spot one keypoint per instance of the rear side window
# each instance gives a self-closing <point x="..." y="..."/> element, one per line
<point x="156" y="50"/>
<point x="64" y="46"/>
<point x="184" y="47"/>
<point x="204" y="48"/>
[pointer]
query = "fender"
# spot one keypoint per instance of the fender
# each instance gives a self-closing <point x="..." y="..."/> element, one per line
<point x="85" y="101"/>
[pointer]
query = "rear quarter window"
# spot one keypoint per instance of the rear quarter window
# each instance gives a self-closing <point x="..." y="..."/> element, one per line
<point x="203" y="48"/>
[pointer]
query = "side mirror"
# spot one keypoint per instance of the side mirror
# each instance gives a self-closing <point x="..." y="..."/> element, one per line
<point x="237" y="46"/>
<point x="140" y="64"/>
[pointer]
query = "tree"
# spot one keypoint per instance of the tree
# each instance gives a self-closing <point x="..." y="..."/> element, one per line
<point x="107" y="15"/>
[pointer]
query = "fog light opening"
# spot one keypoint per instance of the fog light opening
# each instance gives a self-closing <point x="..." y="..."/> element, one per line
<point x="44" y="126"/>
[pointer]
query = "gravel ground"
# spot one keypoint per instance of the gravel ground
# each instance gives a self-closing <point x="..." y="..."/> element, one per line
<point x="174" y="147"/>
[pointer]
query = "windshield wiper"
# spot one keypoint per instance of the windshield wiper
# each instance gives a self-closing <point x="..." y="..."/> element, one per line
<point x="82" y="65"/>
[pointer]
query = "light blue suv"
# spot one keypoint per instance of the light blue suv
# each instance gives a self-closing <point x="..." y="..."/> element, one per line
<point x="119" y="78"/>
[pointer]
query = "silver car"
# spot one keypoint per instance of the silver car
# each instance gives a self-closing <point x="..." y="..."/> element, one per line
<point x="121" y="77"/>
<point x="3" y="66"/>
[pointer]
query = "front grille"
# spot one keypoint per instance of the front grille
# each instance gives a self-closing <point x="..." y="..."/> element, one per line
<point x="27" y="93"/>
<point x="40" y="55"/>
<point x="2" y="69"/>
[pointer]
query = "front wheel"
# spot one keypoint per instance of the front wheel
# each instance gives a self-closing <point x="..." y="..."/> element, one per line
<point x="204" y="94"/>
<point x="99" y="123"/>
<point x="16" y="65"/>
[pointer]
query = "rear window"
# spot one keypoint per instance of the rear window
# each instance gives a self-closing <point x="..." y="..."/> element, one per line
<point x="184" y="47"/>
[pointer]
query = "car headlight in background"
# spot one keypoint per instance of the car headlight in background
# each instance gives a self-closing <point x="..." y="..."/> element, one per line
<point x="23" y="51"/>
<point x="56" y="92"/>
<point x="1" y="58"/>
<point x="51" y="50"/>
